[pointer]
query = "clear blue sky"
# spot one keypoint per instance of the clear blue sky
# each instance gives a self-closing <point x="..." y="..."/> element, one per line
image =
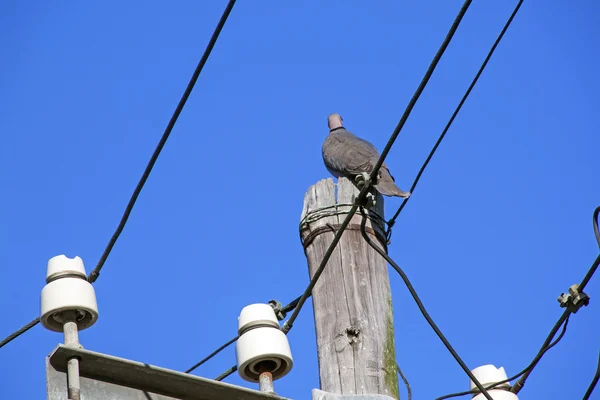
<point x="499" y="226"/>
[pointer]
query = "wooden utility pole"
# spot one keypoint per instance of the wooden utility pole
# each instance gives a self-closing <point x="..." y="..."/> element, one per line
<point x="352" y="300"/>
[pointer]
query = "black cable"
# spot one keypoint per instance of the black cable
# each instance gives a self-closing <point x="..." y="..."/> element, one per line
<point x="417" y="300"/>
<point x="408" y="389"/>
<point x="291" y="306"/>
<point x="163" y="140"/>
<point x="524" y="371"/>
<point x="226" y="373"/>
<point x="456" y="111"/>
<point x="521" y="382"/>
<point x="18" y="333"/>
<point x="211" y="355"/>
<point x="516" y="388"/>
<point x="589" y="274"/>
<point x="595" y="223"/>
<point x="96" y="271"/>
<point x="361" y="196"/>
<point x="592" y="386"/>
<point x="422" y="85"/>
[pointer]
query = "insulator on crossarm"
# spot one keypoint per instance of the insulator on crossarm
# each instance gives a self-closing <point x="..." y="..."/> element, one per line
<point x="67" y="289"/>
<point x="262" y="347"/>
<point x="488" y="375"/>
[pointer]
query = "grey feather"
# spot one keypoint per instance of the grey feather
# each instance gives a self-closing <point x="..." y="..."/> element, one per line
<point x="347" y="155"/>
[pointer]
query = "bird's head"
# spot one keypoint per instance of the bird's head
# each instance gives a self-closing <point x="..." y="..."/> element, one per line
<point x="335" y="121"/>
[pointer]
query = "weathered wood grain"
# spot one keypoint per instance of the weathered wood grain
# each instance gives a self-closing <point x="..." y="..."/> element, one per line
<point x="351" y="300"/>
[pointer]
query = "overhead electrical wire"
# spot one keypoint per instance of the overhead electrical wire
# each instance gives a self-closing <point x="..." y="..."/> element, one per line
<point x="226" y="373"/>
<point x="548" y="343"/>
<point x="293" y="304"/>
<point x="392" y="221"/>
<point x="521" y="382"/>
<point x="19" y="332"/>
<point x="405" y="380"/>
<point x="163" y="140"/>
<point x="420" y="305"/>
<point x="524" y="371"/>
<point x="592" y="386"/>
<point x="595" y="224"/>
<point x="516" y="388"/>
<point x="211" y="355"/>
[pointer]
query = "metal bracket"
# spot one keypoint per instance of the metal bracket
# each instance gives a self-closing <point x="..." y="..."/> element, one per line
<point x="107" y="377"/>
<point x="574" y="300"/>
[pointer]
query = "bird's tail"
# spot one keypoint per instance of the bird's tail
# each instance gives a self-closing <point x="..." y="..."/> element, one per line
<point x="387" y="187"/>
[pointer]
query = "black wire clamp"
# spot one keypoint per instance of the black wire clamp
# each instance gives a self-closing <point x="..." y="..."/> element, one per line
<point x="573" y="300"/>
<point x="278" y="309"/>
<point x="363" y="180"/>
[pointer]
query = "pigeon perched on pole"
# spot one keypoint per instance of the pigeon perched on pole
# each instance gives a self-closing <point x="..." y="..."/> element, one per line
<point x="347" y="155"/>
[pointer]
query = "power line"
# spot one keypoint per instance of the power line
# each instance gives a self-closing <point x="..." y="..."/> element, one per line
<point x="211" y="355"/>
<point x="293" y="304"/>
<point x="403" y="377"/>
<point x="18" y="333"/>
<point x="163" y="140"/>
<point x="512" y="378"/>
<point x="592" y="386"/>
<point x="361" y="196"/>
<point x="456" y="111"/>
<point x="516" y="388"/>
<point x="226" y="373"/>
<point x="595" y="223"/>
<point x="422" y="308"/>
<point x="422" y="85"/>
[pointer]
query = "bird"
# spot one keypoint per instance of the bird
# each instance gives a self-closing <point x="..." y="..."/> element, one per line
<point x="347" y="155"/>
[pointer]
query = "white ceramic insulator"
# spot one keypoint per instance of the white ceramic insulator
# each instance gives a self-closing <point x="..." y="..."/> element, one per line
<point x="497" y="395"/>
<point x="261" y="341"/>
<point x="63" y="265"/>
<point x="256" y="314"/>
<point x="67" y="290"/>
<point x="489" y="374"/>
